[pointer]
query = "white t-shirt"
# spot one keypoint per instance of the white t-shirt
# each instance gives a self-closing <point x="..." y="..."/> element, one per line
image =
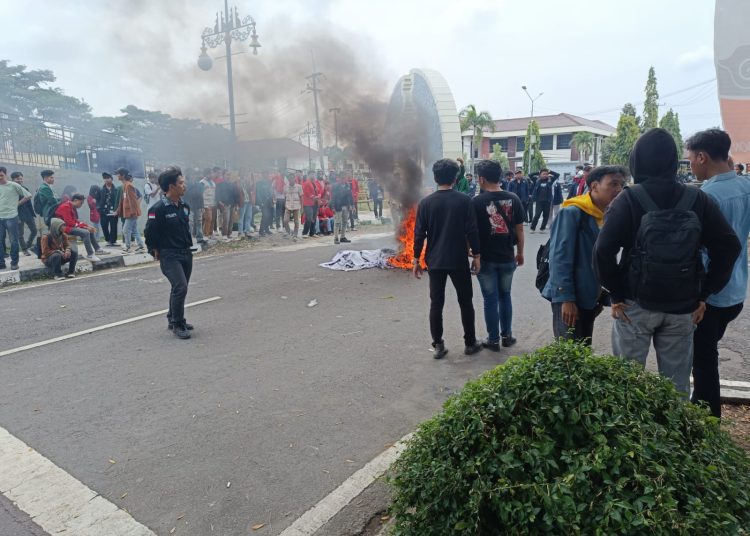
<point x="149" y="196"/>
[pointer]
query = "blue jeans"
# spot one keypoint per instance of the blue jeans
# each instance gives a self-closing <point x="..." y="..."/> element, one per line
<point x="9" y="226"/>
<point x="245" y="221"/>
<point x="495" y="279"/>
<point x="130" y="231"/>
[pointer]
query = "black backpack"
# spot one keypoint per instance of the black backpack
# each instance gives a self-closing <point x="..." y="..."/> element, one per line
<point x="665" y="267"/>
<point x="50" y="213"/>
<point x="542" y="257"/>
<point x="37" y="203"/>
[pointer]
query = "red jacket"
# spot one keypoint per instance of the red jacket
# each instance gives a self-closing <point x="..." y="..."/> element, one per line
<point x="68" y="213"/>
<point x="93" y="211"/>
<point x="325" y="212"/>
<point x="309" y="192"/>
<point x="278" y="183"/>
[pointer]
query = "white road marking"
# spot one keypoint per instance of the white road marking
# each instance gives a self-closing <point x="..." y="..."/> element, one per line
<point x="101" y="273"/>
<point x="56" y="501"/>
<point x="99" y="328"/>
<point x="334" y="502"/>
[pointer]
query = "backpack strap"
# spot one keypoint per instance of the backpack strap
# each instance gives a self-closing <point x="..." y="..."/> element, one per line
<point x="686" y="202"/>
<point x="641" y="195"/>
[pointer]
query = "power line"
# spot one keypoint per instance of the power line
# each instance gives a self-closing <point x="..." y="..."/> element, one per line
<point x="683" y="90"/>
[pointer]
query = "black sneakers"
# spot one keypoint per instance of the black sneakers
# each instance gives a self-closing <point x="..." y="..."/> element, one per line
<point x="181" y="332"/>
<point x="345" y="240"/>
<point x="472" y="349"/>
<point x="494" y="346"/>
<point x="440" y="350"/>
<point x="509" y="341"/>
<point x="188" y="327"/>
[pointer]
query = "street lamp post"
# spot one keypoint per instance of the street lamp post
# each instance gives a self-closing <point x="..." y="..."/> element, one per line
<point x="531" y="137"/>
<point x="228" y="27"/>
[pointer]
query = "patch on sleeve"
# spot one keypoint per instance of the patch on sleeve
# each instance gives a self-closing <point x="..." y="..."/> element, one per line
<point x="152" y="215"/>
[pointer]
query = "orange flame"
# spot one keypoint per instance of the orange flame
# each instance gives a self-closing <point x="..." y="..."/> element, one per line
<point x="405" y="257"/>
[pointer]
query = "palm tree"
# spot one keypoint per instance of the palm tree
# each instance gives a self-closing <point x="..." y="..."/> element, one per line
<point x="584" y="142"/>
<point x="477" y="122"/>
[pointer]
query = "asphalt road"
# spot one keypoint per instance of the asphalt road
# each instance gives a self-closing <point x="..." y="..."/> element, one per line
<point x="270" y="406"/>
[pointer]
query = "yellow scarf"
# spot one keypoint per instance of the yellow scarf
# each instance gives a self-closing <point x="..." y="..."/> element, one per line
<point x="586" y="204"/>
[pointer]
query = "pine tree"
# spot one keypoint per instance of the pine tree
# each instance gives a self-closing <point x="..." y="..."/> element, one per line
<point x="537" y="160"/>
<point x="671" y="123"/>
<point x="629" y="109"/>
<point x="617" y="149"/>
<point x="651" y="105"/>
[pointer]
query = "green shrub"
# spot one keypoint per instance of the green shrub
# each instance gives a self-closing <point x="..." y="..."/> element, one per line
<point x="565" y="442"/>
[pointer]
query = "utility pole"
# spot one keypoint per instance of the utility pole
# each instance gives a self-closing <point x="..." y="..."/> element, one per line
<point x="309" y="131"/>
<point x="312" y="87"/>
<point x="335" y="112"/>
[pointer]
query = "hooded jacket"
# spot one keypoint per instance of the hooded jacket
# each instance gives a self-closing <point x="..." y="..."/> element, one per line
<point x="55" y="240"/>
<point x="653" y="164"/>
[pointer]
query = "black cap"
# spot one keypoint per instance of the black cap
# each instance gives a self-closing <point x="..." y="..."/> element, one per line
<point x="106" y="174"/>
<point x="122" y="171"/>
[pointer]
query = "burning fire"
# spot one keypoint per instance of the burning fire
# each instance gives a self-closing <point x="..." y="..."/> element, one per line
<point x="405" y="257"/>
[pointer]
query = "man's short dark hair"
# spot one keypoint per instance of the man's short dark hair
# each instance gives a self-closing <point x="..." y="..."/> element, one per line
<point x="741" y="167"/>
<point x="579" y="167"/>
<point x="445" y="171"/>
<point x="519" y="171"/>
<point x="544" y="169"/>
<point x="17" y="174"/>
<point x="169" y="176"/>
<point x="489" y="170"/>
<point x="47" y="173"/>
<point x="598" y="174"/>
<point x="714" y="142"/>
<point x="77" y="197"/>
<point x="3" y="170"/>
<point x="508" y="173"/>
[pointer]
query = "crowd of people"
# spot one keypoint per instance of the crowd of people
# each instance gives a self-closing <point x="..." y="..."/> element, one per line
<point x="298" y="205"/>
<point x="669" y="259"/>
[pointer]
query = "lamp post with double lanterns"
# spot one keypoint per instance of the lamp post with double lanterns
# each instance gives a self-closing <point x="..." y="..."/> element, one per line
<point x="228" y="27"/>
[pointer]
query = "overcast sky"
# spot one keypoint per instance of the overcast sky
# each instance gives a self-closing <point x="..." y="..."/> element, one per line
<point x="589" y="57"/>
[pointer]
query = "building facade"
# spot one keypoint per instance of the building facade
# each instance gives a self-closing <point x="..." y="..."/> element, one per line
<point x="556" y="140"/>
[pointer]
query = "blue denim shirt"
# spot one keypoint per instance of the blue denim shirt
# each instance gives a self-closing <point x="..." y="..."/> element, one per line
<point x="732" y="193"/>
<point x="571" y="273"/>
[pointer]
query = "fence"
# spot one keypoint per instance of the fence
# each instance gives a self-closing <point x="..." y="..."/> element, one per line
<point x="33" y="142"/>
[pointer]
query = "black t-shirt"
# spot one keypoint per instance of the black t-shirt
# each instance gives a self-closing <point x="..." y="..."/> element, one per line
<point x="496" y="238"/>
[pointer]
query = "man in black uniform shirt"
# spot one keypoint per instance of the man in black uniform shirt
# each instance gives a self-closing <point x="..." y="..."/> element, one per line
<point x="168" y="240"/>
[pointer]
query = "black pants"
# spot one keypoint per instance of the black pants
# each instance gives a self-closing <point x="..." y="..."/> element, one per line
<point x="279" y="214"/>
<point x="311" y="216"/>
<point x="353" y="214"/>
<point x="27" y="221"/>
<point x="266" y="216"/>
<point x="378" y="207"/>
<point x="462" y="283"/>
<point x="55" y="261"/>
<point x="176" y="265"/>
<point x="542" y="209"/>
<point x="529" y="208"/>
<point x="706" y="355"/>
<point x="109" y="229"/>
<point x="583" y="330"/>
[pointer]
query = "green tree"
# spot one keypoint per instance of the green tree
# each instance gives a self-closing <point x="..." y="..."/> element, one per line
<point x="498" y="156"/>
<point x="536" y="161"/>
<point x="671" y="123"/>
<point x="629" y="109"/>
<point x="477" y="122"/>
<point x="651" y="105"/>
<point x="617" y="148"/>
<point x="584" y="142"/>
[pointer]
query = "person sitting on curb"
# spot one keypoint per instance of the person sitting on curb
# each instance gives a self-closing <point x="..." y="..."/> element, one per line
<point x="57" y="251"/>
<point x="68" y="212"/>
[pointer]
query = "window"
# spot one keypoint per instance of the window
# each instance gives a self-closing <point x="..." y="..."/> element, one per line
<point x="563" y="141"/>
<point x="545" y="143"/>
<point x="520" y="144"/>
<point x="503" y="144"/>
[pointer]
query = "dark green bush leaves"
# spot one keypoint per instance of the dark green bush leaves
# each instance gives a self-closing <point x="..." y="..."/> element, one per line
<point x="564" y="442"/>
